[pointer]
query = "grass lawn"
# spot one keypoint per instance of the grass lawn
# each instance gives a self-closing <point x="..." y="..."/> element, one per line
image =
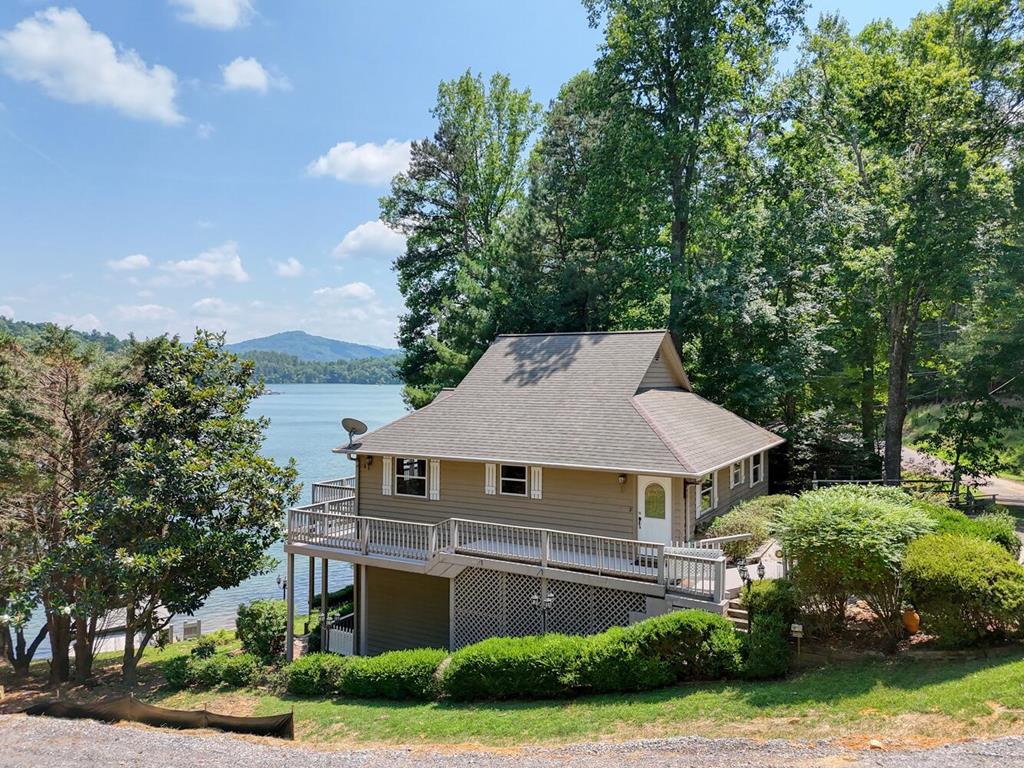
<point x="900" y="702"/>
<point x="921" y="421"/>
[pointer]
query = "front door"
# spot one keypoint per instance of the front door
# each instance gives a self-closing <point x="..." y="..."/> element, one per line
<point x="654" y="509"/>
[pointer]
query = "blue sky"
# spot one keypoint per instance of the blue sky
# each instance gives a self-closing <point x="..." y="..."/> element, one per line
<point x="172" y="163"/>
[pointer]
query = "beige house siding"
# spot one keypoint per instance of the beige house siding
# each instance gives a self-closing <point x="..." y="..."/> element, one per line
<point x="574" y="500"/>
<point x="405" y="610"/>
<point x="730" y="497"/>
<point x="658" y="375"/>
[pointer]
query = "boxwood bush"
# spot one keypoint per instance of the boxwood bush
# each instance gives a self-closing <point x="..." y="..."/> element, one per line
<point x="766" y="647"/>
<point x="513" y="667"/>
<point x="754" y="517"/>
<point x="315" y="674"/>
<point x="967" y="590"/>
<point x="772" y="596"/>
<point x="395" y="675"/>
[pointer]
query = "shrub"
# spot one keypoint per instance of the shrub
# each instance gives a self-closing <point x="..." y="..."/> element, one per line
<point x="176" y="671"/>
<point x="997" y="527"/>
<point x="772" y="597"/>
<point x="614" y="661"/>
<point x="511" y="667"/>
<point x="315" y="674"/>
<point x="695" y="645"/>
<point x="204" y="648"/>
<point x="261" y="626"/>
<point x="967" y="590"/>
<point x="207" y="672"/>
<point x="242" y="670"/>
<point x="394" y="675"/>
<point x="851" y="540"/>
<point x="767" y="649"/>
<point x="754" y="517"/>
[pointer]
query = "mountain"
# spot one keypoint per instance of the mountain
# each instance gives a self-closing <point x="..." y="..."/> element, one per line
<point x="310" y="348"/>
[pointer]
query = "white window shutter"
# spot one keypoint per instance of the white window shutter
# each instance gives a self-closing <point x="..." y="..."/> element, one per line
<point x="536" y="485"/>
<point x="388" y="472"/>
<point x="714" y="489"/>
<point x="434" y="479"/>
<point x="751" y="473"/>
<point x="489" y="475"/>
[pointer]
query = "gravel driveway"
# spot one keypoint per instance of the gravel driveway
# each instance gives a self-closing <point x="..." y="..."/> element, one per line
<point x="30" y="742"/>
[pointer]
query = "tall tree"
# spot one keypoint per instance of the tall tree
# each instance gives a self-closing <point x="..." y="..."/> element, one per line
<point x="690" y="68"/>
<point x="453" y="204"/>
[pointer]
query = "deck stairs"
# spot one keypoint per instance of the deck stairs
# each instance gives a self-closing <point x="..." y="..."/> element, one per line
<point x="737" y="614"/>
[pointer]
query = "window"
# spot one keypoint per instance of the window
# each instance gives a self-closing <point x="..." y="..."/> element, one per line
<point x="706" y="495"/>
<point x="410" y="477"/>
<point x="736" y="474"/>
<point x="756" y="468"/>
<point x="513" y="480"/>
<point x="654" y="501"/>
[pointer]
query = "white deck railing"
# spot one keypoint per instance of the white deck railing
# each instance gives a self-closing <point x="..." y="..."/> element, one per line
<point x="342" y="489"/>
<point x="699" y="572"/>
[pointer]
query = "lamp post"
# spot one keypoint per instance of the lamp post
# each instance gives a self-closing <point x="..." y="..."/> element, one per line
<point x="543" y="602"/>
<point x="283" y="584"/>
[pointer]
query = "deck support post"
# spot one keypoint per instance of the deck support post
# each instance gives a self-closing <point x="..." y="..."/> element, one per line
<point x="323" y="603"/>
<point x="312" y="592"/>
<point x="289" y="641"/>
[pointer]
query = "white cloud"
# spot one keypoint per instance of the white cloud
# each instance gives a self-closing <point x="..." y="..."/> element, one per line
<point x="57" y="49"/>
<point x="247" y="74"/>
<point x="87" y="322"/>
<point x="213" y="306"/>
<point x="222" y="261"/>
<point x="6" y="310"/>
<point x="364" y="163"/>
<point x="129" y="263"/>
<point x="204" y="131"/>
<point x="215" y="14"/>
<point x="143" y="312"/>
<point x="291" y="267"/>
<point x="372" y="239"/>
<point x="357" y="290"/>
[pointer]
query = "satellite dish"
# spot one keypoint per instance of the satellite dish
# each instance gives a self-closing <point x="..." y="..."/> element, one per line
<point x="353" y="427"/>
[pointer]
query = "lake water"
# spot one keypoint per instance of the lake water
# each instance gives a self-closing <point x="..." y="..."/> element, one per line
<point x="305" y="424"/>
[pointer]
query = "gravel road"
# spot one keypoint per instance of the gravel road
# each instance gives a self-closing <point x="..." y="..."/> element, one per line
<point x="30" y="742"/>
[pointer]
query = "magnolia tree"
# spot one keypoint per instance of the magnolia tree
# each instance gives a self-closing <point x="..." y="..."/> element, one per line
<point x="188" y="504"/>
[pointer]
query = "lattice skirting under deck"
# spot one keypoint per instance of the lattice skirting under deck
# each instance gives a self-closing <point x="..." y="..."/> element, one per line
<point x="496" y="604"/>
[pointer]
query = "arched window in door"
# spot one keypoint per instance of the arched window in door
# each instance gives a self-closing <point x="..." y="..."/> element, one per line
<point x="654" y="501"/>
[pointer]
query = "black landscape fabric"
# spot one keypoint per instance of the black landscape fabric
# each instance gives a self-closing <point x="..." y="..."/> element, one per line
<point x="128" y="708"/>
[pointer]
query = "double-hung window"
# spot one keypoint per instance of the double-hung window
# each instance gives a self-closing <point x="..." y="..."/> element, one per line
<point x="513" y="480"/>
<point x="706" y="495"/>
<point x="410" y="477"/>
<point x="736" y="474"/>
<point x="756" y="468"/>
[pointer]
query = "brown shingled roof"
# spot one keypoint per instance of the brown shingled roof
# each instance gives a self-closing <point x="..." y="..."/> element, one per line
<point x="571" y="400"/>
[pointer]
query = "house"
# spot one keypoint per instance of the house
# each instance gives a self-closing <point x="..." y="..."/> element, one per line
<point x="557" y="488"/>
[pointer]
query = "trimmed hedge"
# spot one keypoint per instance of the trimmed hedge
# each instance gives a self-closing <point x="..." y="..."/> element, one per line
<point x="766" y="647"/>
<point x="997" y="527"/>
<point x="315" y="674"/>
<point x="395" y="675"/>
<point x="754" y="517"/>
<point x="684" y="645"/>
<point x="967" y="590"/>
<point x="513" y="667"/>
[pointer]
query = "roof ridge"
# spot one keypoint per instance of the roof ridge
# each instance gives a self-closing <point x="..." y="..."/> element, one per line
<point x="649" y="420"/>
<point x="580" y="333"/>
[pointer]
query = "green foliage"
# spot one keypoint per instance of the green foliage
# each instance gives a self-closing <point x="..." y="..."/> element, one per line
<point x="261" y="626"/>
<point x="998" y="527"/>
<point x="399" y="675"/>
<point x="242" y="670"/>
<point x="513" y="667"/>
<point x="679" y="646"/>
<point x="754" y="517"/>
<point x="850" y="540"/>
<point x="967" y="590"/>
<point x="176" y="671"/>
<point x="207" y="672"/>
<point x="280" y="368"/>
<point x="766" y="651"/>
<point x="777" y="597"/>
<point x="315" y="674"/>
<point x="204" y="648"/>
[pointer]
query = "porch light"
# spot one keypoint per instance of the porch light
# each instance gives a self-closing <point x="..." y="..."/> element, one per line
<point x="622" y="479"/>
<point x="760" y="569"/>
<point x="741" y="567"/>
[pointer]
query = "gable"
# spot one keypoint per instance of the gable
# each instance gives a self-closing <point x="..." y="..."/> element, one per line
<point x="665" y="370"/>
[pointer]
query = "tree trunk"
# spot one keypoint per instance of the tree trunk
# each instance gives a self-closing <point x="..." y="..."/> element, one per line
<point x="867" y="386"/>
<point x="129" y="665"/>
<point x="59" y="627"/>
<point x="18" y="652"/>
<point x="84" y="650"/>
<point x="903" y="317"/>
